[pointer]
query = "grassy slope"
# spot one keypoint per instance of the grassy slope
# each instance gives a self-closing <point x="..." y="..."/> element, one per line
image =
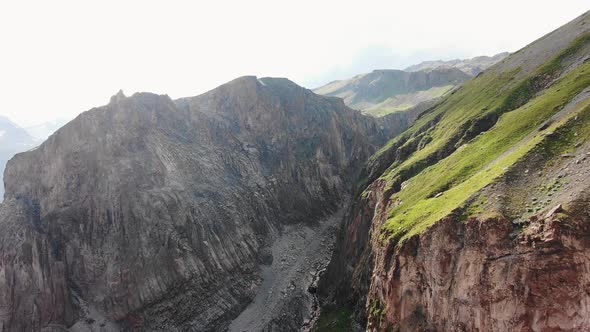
<point x="480" y="160"/>
<point x="404" y="102"/>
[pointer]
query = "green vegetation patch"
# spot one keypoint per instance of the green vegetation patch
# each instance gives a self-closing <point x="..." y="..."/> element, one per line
<point x="376" y="310"/>
<point x="484" y="98"/>
<point x="334" y="320"/>
<point x="445" y="186"/>
<point x="404" y="102"/>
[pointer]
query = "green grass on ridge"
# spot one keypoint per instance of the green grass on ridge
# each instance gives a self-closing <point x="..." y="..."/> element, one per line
<point x="477" y="163"/>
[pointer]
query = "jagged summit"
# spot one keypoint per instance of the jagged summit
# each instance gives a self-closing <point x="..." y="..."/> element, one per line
<point x="119" y="95"/>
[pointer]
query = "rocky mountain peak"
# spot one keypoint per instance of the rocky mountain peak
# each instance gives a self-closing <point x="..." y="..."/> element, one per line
<point x="118" y="96"/>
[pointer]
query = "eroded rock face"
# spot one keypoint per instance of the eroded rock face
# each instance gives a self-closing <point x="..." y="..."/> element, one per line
<point x="152" y="213"/>
<point x="472" y="277"/>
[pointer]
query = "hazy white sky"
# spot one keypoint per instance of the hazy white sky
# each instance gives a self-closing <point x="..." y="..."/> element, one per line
<point x="59" y="58"/>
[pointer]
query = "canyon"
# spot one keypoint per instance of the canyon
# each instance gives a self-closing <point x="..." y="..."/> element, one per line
<point x="263" y="206"/>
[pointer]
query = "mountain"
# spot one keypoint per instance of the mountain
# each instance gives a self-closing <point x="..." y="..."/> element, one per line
<point x="471" y="67"/>
<point x="383" y="92"/>
<point x="476" y="218"/>
<point x="13" y="139"/>
<point x="158" y="214"/>
<point x="261" y="206"/>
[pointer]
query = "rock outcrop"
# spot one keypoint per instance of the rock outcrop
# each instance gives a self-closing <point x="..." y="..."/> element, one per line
<point x="153" y="214"/>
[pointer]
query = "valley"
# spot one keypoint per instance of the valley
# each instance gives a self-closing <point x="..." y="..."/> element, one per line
<point x="449" y="196"/>
<point x="285" y="297"/>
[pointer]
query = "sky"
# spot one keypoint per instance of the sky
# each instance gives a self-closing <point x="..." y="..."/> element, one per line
<point x="60" y="58"/>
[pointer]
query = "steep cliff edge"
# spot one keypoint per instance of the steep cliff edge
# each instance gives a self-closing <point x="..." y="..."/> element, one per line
<point x="476" y="218"/>
<point x="154" y="214"/>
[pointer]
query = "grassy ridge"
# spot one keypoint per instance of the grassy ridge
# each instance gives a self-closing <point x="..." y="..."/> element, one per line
<point x="461" y="172"/>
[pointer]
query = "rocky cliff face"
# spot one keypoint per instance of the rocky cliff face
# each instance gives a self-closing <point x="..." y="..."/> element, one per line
<point x="154" y="214"/>
<point x="476" y="218"/>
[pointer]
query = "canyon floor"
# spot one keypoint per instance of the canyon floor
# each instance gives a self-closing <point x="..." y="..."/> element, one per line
<point x="299" y="254"/>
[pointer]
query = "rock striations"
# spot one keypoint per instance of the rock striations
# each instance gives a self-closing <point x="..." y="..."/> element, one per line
<point x="151" y="213"/>
<point x="13" y="139"/>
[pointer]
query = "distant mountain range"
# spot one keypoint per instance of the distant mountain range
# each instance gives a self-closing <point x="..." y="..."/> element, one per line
<point x="43" y="130"/>
<point x="471" y="67"/>
<point x="382" y="92"/>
